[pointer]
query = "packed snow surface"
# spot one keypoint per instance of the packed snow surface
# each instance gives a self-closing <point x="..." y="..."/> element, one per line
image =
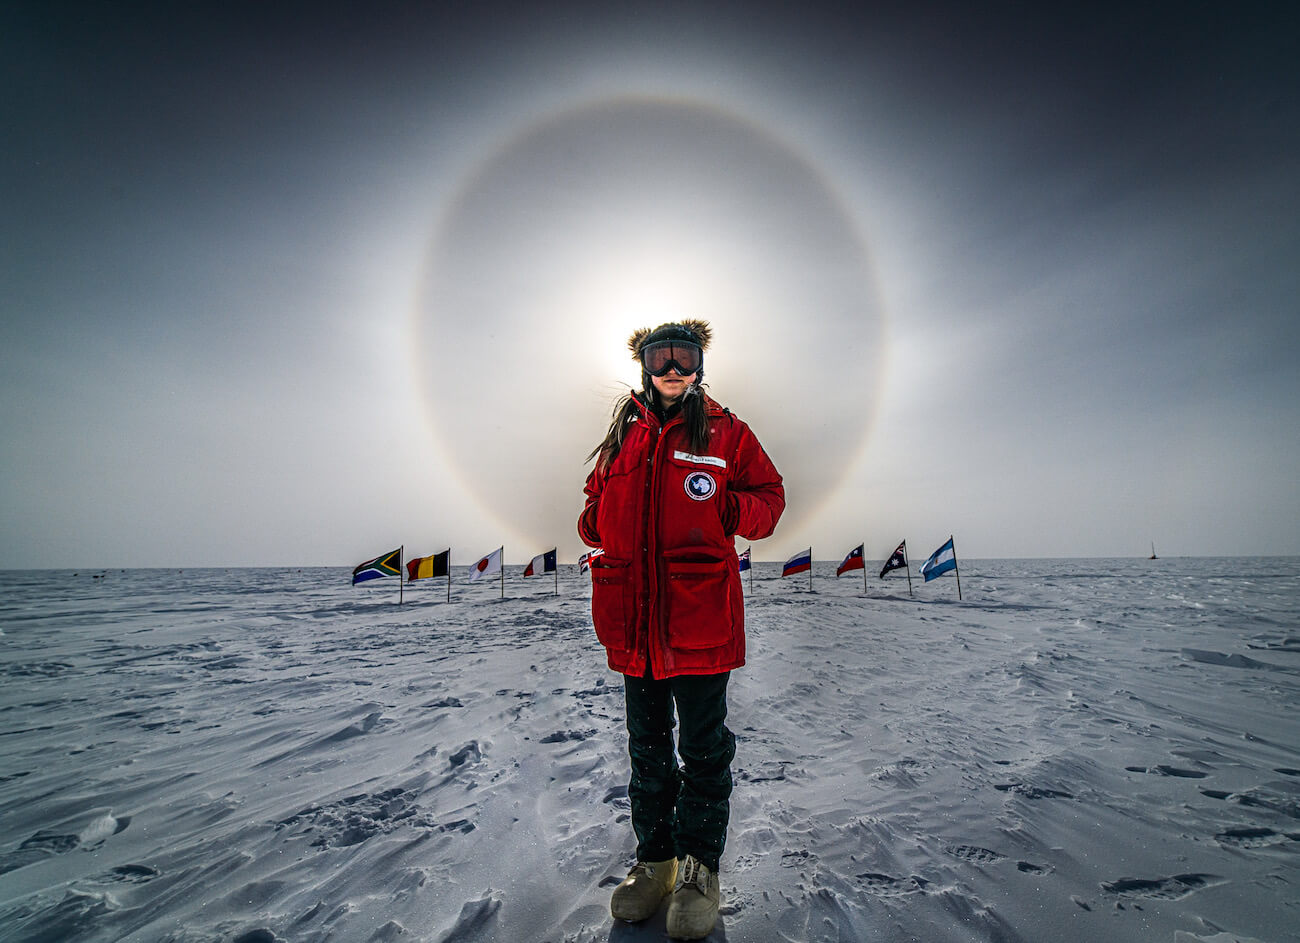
<point x="1077" y="750"/>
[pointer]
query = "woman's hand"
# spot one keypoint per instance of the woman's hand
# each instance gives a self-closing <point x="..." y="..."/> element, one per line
<point x="730" y="514"/>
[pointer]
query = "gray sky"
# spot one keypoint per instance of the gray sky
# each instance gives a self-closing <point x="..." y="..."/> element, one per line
<point x="294" y="287"/>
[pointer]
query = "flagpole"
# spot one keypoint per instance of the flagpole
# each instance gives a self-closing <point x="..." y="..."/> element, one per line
<point x="400" y="584"/>
<point x="448" y="574"/>
<point x="502" y="550"/>
<point x="557" y="571"/>
<point x="810" y="562"/>
<point x="955" y="568"/>
<point x="751" y="569"/>
<point x="907" y="566"/>
<point x="864" y="568"/>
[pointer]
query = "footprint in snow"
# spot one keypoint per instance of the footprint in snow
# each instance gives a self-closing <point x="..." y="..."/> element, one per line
<point x="562" y="736"/>
<point x="1028" y="867"/>
<point x="358" y="818"/>
<point x="1163" y="770"/>
<point x="1247" y="837"/>
<point x="131" y="874"/>
<point x="797" y="859"/>
<point x="1175" y="887"/>
<point x="1032" y="792"/>
<point x="445" y="702"/>
<point x="888" y="886"/>
<point x="46" y="843"/>
<point x="469" y="753"/>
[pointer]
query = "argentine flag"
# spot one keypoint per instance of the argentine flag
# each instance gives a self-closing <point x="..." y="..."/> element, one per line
<point x="940" y="562"/>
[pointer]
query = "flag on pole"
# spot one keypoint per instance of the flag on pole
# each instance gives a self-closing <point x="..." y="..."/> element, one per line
<point x="387" y="565"/>
<point x="897" y="561"/>
<point x="424" y="568"/>
<point x="542" y="563"/>
<point x="584" y="561"/>
<point x="940" y="562"/>
<point x="488" y="566"/>
<point x="744" y="560"/>
<point x="801" y="562"/>
<point x="852" y="562"/>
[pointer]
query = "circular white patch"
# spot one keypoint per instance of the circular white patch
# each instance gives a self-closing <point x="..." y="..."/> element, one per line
<point x="700" y="486"/>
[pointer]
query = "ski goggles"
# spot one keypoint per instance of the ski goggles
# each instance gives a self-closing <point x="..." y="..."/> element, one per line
<point x="661" y="356"/>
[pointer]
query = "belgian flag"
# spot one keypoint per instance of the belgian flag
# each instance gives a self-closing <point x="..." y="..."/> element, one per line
<point x="424" y="568"/>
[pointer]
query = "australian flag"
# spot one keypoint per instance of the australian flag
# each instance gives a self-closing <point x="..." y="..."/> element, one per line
<point x="744" y="559"/>
<point x="897" y="561"/>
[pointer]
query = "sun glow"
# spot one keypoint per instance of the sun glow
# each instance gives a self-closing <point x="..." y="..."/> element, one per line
<point x="627" y="291"/>
<point x="626" y="214"/>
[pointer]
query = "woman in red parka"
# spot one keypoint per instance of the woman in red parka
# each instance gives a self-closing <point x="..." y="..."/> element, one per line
<point x="677" y="478"/>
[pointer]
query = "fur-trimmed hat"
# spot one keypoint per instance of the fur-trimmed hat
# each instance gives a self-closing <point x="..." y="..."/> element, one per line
<point x="697" y="332"/>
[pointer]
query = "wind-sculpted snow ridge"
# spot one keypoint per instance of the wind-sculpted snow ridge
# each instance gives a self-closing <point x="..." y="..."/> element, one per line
<point x="1078" y="750"/>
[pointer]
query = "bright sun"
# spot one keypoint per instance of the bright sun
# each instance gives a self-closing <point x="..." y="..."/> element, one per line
<point x="631" y="291"/>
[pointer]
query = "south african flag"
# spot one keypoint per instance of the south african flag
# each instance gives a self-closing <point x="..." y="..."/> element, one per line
<point x="390" y="564"/>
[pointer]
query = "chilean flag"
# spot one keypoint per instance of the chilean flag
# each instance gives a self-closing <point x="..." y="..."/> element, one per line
<point x="801" y="562"/>
<point x="852" y="562"/>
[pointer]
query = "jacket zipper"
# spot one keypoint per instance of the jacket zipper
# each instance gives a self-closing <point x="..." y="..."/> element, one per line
<point x="654" y="618"/>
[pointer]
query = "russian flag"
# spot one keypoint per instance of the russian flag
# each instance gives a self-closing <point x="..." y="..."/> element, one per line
<point x="801" y="562"/>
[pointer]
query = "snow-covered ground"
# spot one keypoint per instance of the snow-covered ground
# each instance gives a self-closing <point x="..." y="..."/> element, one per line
<point x="1079" y="750"/>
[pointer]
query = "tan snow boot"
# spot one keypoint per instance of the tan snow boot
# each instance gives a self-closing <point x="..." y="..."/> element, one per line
<point x="693" y="908"/>
<point x="643" y="890"/>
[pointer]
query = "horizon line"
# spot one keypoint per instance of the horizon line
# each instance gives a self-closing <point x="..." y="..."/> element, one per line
<point x="524" y="563"/>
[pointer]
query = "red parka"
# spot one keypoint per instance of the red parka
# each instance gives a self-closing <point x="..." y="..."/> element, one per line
<point x="666" y="592"/>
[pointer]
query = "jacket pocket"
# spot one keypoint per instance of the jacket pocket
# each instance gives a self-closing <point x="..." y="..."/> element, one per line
<point x="697" y="480"/>
<point x="699" y="604"/>
<point x="611" y="601"/>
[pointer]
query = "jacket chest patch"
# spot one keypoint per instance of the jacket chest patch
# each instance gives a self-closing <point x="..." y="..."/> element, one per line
<point x="699" y="459"/>
<point x="700" y="486"/>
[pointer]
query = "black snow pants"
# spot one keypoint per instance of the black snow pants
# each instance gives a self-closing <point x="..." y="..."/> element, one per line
<point x="679" y="811"/>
